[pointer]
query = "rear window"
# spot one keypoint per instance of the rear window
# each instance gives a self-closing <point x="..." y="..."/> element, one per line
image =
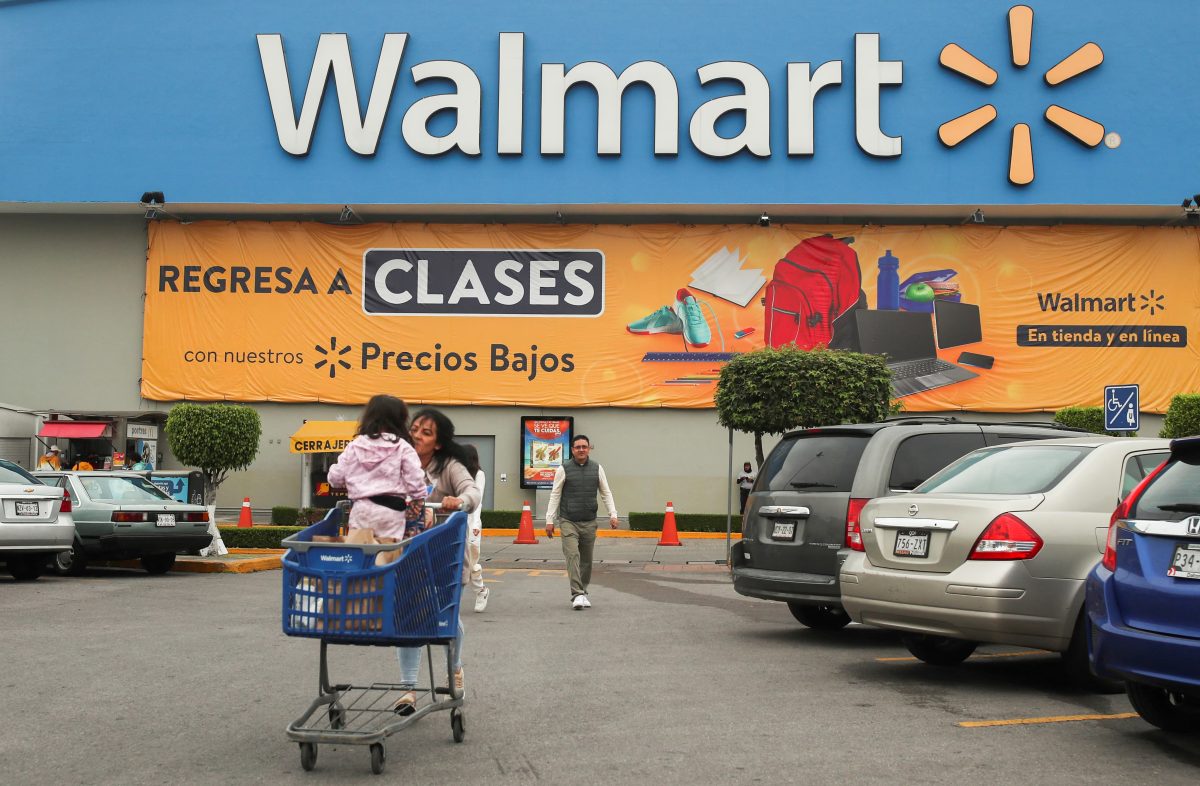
<point x="820" y="462"/>
<point x="1025" y="469"/>
<point x="919" y="458"/>
<point x="11" y="473"/>
<point x="119" y="490"/>
<point x="1174" y="494"/>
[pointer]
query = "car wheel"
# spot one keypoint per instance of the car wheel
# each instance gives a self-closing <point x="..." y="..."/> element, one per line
<point x="1079" y="669"/>
<point x="157" y="564"/>
<point x="1165" y="709"/>
<point x="70" y="563"/>
<point x="26" y="568"/>
<point x="938" y="650"/>
<point x="820" y="617"/>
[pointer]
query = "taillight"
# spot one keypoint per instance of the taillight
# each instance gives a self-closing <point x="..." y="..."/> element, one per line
<point x="854" y="539"/>
<point x="194" y="516"/>
<point x="66" y="503"/>
<point x="1007" y="537"/>
<point x="1110" y="544"/>
<point x="126" y="516"/>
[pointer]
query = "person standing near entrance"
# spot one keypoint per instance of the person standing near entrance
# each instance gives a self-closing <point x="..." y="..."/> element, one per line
<point x="52" y="459"/>
<point x="573" y="508"/>
<point x="745" y="482"/>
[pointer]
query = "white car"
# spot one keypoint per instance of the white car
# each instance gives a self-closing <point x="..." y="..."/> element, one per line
<point x="35" y="522"/>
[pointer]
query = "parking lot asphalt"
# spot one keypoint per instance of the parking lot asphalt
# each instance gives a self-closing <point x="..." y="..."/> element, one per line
<point x="118" y="677"/>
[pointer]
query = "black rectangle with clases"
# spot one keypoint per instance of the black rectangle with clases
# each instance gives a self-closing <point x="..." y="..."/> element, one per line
<point x="483" y="282"/>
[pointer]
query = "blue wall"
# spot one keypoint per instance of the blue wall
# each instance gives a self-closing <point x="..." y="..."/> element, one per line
<point x="101" y="100"/>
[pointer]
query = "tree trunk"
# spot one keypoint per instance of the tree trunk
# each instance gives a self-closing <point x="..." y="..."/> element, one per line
<point x="758" y="454"/>
<point x="217" y="547"/>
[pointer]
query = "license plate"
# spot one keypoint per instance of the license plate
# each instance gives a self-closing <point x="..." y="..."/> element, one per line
<point x="1186" y="562"/>
<point x="911" y="543"/>
<point x="166" y="520"/>
<point x="784" y="530"/>
<point x="27" y="508"/>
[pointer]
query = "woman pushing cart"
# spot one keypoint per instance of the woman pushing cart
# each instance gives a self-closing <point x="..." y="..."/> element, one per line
<point x="336" y="592"/>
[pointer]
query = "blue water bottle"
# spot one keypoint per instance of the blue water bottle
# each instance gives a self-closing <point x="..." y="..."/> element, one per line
<point x="887" y="286"/>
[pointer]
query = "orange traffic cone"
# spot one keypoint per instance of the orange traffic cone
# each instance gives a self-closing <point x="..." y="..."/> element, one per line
<point x="525" y="534"/>
<point x="669" y="536"/>
<point x="244" y="519"/>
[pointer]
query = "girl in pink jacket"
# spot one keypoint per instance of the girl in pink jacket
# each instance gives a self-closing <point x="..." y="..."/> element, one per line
<point x="382" y="474"/>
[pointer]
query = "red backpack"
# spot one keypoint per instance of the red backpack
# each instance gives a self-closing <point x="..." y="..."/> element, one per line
<point x="813" y="287"/>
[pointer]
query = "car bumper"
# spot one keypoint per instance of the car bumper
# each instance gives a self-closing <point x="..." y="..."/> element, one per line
<point x="999" y="602"/>
<point x="1123" y="653"/>
<point x="133" y="545"/>
<point x="34" y="538"/>
<point x="777" y="584"/>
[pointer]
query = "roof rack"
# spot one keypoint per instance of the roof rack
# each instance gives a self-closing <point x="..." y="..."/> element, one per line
<point x="1046" y="424"/>
<point x="922" y="419"/>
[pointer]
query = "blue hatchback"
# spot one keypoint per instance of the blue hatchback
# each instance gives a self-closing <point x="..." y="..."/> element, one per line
<point x="1143" y="599"/>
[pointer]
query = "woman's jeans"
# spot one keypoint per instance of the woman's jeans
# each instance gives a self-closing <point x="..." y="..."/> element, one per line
<point x="410" y="659"/>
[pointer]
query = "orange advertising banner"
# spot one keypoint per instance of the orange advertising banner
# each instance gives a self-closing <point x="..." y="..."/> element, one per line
<point x="1020" y="319"/>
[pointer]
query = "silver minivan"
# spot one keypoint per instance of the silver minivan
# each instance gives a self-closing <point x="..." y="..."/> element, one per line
<point x="801" y="519"/>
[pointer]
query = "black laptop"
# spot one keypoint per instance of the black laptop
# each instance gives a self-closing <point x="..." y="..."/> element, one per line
<point x="906" y="339"/>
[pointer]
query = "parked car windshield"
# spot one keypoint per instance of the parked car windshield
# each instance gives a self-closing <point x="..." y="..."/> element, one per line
<point x="817" y="462"/>
<point x="121" y="489"/>
<point x="11" y="473"/>
<point x="1174" y="494"/>
<point x="1025" y="469"/>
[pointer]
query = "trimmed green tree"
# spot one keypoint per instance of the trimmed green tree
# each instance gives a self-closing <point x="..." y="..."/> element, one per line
<point x="1183" y="416"/>
<point x="770" y="391"/>
<point x="215" y="438"/>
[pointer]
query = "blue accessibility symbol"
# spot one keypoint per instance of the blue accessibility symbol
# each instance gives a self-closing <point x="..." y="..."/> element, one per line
<point x="1121" y="408"/>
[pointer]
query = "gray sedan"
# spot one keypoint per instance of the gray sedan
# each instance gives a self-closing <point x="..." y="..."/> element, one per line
<point x="996" y="548"/>
<point x="122" y="515"/>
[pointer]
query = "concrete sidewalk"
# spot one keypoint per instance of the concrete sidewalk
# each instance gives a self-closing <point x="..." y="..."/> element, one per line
<point x="498" y="550"/>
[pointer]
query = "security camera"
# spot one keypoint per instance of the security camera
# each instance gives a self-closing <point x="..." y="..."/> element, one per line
<point x="764" y="220"/>
<point x="977" y="217"/>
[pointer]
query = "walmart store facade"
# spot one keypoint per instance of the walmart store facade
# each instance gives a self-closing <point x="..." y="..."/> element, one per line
<point x="296" y="206"/>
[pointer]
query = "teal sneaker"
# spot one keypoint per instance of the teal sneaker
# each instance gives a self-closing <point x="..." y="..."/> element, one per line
<point x="665" y="320"/>
<point x="695" y="326"/>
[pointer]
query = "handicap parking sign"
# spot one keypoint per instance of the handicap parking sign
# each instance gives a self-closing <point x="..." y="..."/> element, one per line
<point x="1121" y="410"/>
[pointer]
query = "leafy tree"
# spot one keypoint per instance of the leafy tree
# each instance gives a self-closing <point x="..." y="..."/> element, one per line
<point x="1183" y="416"/>
<point x="216" y="438"/>
<point x="771" y="391"/>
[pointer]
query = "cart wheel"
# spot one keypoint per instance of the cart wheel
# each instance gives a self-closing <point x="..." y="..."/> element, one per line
<point x="308" y="756"/>
<point x="337" y="718"/>
<point x="456" y="724"/>
<point x="377" y="758"/>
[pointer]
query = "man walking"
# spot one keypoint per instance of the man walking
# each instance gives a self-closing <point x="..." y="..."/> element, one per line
<point x="573" y="507"/>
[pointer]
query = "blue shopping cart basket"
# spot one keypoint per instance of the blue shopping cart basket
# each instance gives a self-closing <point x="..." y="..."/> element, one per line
<point x="336" y="592"/>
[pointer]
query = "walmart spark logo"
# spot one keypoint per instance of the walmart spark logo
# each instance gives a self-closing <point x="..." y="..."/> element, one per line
<point x="1153" y="302"/>
<point x="333" y="357"/>
<point x="1020" y="30"/>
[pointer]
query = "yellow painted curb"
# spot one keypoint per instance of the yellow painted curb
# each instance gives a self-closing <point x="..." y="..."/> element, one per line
<point x="1052" y="719"/>
<point x="617" y="533"/>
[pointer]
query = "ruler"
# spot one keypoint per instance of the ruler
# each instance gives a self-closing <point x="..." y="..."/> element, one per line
<point x="688" y="357"/>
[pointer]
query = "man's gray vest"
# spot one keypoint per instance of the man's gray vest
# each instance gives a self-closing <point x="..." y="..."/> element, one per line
<point x="579" y="492"/>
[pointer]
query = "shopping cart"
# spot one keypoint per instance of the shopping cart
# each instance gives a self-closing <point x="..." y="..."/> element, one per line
<point x="335" y="592"/>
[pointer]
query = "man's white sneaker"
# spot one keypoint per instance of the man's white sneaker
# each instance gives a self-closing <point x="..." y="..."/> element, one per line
<point x="586" y="604"/>
<point x="481" y="599"/>
<point x="578" y="602"/>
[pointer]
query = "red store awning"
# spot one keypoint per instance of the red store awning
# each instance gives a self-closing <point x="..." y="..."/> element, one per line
<point x="75" y="429"/>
